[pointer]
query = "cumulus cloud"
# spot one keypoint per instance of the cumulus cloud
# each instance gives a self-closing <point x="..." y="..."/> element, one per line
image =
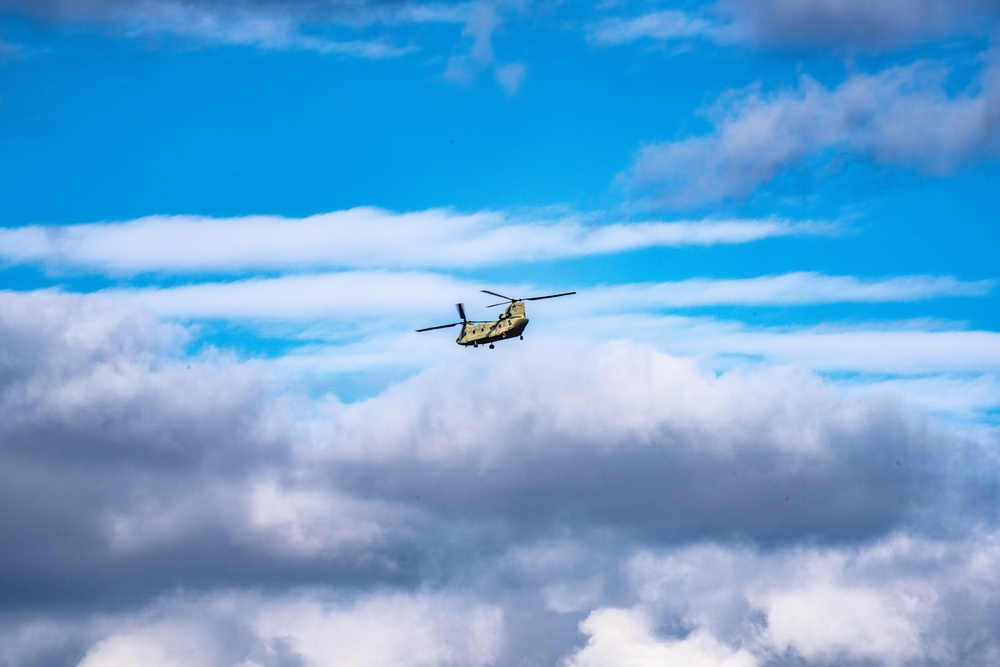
<point x="902" y="599"/>
<point x="554" y="453"/>
<point x="903" y="116"/>
<point x="121" y="463"/>
<point x="364" y="238"/>
<point x="625" y="636"/>
<point x="210" y="514"/>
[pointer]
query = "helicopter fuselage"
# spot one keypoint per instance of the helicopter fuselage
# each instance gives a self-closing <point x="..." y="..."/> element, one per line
<point x="510" y="325"/>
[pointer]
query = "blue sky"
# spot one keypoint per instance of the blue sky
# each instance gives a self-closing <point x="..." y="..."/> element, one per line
<point x="763" y="432"/>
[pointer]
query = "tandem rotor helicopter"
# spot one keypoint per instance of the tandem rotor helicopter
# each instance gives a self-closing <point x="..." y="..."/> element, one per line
<point x="510" y="324"/>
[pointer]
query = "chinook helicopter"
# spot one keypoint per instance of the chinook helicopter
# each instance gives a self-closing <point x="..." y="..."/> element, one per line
<point x="510" y="324"/>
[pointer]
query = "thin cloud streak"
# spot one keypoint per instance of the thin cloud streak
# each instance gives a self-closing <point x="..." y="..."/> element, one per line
<point x="916" y="347"/>
<point x="800" y="288"/>
<point x="302" y="25"/>
<point x="362" y="238"/>
<point x="385" y="294"/>
<point x="659" y="25"/>
<point x="334" y="296"/>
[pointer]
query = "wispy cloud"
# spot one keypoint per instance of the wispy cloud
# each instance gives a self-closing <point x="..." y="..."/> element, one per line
<point x="659" y="25"/>
<point x="351" y="294"/>
<point x="902" y="116"/>
<point x="340" y="296"/>
<point x="849" y="25"/>
<point x="787" y="289"/>
<point x="483" y="20"/>
<point x="363" y="237"/>
<point x="268" y="25"/>
<point x="9" y="51"/>
<point x="909" y="347"/>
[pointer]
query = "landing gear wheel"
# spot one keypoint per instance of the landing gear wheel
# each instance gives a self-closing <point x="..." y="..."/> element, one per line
<point x="491" y="346"/>
<point x="521" y="337"/>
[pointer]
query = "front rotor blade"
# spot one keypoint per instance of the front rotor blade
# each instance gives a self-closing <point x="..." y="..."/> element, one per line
<point x="550" y="296"/>
<point x="461" y="311"/>
<point x="499" y="295"/>
<point x="440" y="326"/>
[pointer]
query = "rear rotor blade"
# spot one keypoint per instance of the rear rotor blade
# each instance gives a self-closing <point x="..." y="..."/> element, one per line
<point x="550" y="296"/>
<point x="441" y="326"/>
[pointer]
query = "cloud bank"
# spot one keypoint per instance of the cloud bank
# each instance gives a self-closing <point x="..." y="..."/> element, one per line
<point x="197" y="510"/>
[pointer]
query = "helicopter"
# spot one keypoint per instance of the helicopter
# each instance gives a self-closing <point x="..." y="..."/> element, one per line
<point x="510" y="324"/>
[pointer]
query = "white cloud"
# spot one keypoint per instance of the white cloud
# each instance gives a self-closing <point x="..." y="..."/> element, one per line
<point x="313" y="521"/>
<point x="362" y="238"/>
<point x="462" y="514"/>
<point x="340" y="297"/>
<point x="799" y="288"/>
<point x="483" y="20"/>
<point x="916" y="347"/>
<point x="964" y="397"/>
<point x="666" y="24"/>
<point x="346" y="296"/>
<point x="437" y="630"/>
<point x="858" y="24"/>
<point x="170" y="644"/>
<point x="419" y="630"/>
<point x="624" y="637"/>
<point x="510" y="76"/>
<point x="897" y="600"/>
<point x="268" y="25"/>
<point x="874" y="350"/>
<point x="356" y="321"/>
<point x="901" y="116"/>
<point x="621" y="436"/>
<point x="826" y="622"/>
<point x="844" y="24"/>
<point x="901" y="599"/>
